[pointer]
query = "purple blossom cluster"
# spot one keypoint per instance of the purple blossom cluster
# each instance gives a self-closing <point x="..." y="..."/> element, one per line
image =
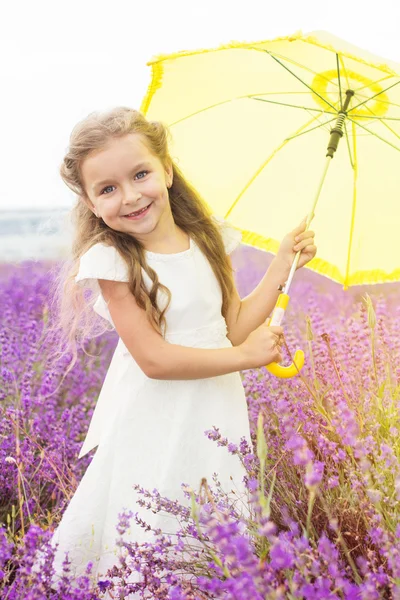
<point x="321" y="515"/>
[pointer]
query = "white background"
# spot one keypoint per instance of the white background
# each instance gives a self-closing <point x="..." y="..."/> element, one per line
<point x="62" y="60"/>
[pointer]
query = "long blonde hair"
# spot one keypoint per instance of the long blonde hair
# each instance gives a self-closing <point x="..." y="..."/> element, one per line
<point x="73" y="317"/>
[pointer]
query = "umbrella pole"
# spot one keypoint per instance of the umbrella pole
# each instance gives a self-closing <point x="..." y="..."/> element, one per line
<point x="283" y="299"/>
<point x="336" y="134"/>
<point x="309" y="219"/>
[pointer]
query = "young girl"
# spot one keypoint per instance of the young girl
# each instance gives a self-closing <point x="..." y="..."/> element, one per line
<point x="157" y="261"/>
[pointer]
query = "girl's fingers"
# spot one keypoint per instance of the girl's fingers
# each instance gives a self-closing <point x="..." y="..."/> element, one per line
<point x="304" y="244"/>
<point x="305" y="234"/>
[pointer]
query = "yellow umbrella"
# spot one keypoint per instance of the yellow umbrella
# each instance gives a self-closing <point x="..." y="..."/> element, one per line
<point x="254" y="128"/>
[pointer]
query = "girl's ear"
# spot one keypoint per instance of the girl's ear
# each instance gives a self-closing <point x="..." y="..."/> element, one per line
<point x="170" y="173"/>
<point x="88" y="203"/>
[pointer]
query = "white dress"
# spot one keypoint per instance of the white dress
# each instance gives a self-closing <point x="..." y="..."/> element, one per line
<point x="151" y="432"/>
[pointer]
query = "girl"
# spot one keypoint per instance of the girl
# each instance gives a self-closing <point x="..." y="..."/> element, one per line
<point x="157" y="262"/>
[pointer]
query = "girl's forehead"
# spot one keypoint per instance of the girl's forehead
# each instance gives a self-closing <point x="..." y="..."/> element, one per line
<point x="130" y="145"/>
<point x="118" y="155"/>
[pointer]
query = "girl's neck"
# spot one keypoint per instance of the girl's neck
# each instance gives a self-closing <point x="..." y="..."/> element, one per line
<point x="170" y="244"/>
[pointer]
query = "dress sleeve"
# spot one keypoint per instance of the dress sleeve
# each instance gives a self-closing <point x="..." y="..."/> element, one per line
<point x="101" y="262"/>
<point x="230" y="235"/>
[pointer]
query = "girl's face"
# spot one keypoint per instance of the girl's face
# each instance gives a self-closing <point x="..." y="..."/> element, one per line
<point x="126" y="177"/>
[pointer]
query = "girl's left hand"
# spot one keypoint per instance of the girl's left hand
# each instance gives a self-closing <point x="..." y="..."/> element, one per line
<point x="296" y="240"/>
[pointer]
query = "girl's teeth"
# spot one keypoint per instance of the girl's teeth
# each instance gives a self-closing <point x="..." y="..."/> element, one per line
<point x="134" y="214"/>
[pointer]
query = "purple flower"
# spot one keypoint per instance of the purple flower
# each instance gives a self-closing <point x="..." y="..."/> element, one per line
<point x="333" y="482"/>
<point x="281" y="556"/>
<point x="310" y="442"/>
<point x="314" y="474"/>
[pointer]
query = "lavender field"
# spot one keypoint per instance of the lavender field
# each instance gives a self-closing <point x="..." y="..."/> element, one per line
<point x="323" y="476"/>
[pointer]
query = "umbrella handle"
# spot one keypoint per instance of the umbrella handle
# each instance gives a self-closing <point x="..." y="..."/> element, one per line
<point x="298" y="361"/>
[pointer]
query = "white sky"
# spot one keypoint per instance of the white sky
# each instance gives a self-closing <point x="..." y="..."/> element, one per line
<point x="63" y="60"/>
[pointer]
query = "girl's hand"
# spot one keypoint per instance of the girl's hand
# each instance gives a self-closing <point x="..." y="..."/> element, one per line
<point x="262" y="346"/>
<point x="296" y="240"/>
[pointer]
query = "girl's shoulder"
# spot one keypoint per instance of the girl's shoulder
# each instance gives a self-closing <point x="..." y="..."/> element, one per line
<point x="232" y="236"/>
<point x="101" y="262"/>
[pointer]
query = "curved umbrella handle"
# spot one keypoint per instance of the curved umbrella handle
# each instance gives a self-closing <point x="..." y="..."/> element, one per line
<point x="298" y="361"/>
<point x="290" y="371"/>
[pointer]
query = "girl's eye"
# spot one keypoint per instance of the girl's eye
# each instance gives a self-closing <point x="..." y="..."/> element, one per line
<point x="109" y="186"/>
<point x="106" y="188"/>
<point x="140" y="172"/>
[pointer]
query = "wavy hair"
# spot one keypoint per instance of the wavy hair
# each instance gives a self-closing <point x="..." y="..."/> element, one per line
<point x="73" y="317"/>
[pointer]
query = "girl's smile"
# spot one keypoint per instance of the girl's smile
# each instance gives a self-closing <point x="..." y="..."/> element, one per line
<point x="139" y="214"/>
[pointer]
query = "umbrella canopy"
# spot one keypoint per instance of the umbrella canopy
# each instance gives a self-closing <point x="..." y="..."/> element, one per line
<point x="250" y="125"/>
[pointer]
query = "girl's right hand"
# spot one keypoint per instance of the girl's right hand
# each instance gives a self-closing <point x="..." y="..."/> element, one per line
<point x="263" y="346"/>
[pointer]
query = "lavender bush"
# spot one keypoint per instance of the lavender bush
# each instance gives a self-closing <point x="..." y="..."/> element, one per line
<point x="321" y="517"/>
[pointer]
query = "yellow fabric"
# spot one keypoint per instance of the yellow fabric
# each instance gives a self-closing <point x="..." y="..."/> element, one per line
<point x="250" y="123"/>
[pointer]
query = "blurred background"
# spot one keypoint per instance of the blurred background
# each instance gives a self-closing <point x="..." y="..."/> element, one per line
<point x="61" y="61"/>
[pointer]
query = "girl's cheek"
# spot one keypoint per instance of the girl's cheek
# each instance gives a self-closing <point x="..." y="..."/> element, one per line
<point x="151" y="188"/>
<point x="109" y="208"/>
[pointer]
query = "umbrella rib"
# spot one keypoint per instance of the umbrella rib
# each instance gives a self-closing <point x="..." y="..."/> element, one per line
<point x="197" y="112"/>
<point x="383" y="123"/>
<point x="320" y="110"/>
<point x="299" y="79"/>
<point x="250" y="97"/>
<point x="353" y="208"/>
<point x="375" y="117"/>
<point x="375" y="95"/>
<point x="385" y="102"/>
<point x="291" y="61"/>
<point x="328" y="112"/>
<point x="281" y="93"/>
<point x="264" y="164"/>
<point x="292" y="137"/>
<point x="345" y="71"/>
<point x="348" y="145"/>
<point x="357" y="91"/>
<point x="313" y="71"/>
<point x="376" y="82"/>
<point x="373" y="133"/>
<point x="363" y="87"/>
<point x="340" y="85"/>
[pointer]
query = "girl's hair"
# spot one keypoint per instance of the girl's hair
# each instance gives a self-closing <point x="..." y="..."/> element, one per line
<point x="73" y="318"/>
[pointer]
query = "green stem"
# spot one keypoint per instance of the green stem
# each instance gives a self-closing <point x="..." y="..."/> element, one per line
<point x="342" y="542"/>
<point x="374" y="356"/>
<point x="313" y="365"/>
<point x="311" y="501"/>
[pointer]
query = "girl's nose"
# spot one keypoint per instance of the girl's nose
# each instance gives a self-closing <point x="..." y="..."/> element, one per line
<point x="131" y="196"/>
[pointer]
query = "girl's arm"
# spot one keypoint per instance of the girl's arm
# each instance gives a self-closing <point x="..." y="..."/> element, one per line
<point x="157" y="358"/>
<point x="245" y="315"/>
